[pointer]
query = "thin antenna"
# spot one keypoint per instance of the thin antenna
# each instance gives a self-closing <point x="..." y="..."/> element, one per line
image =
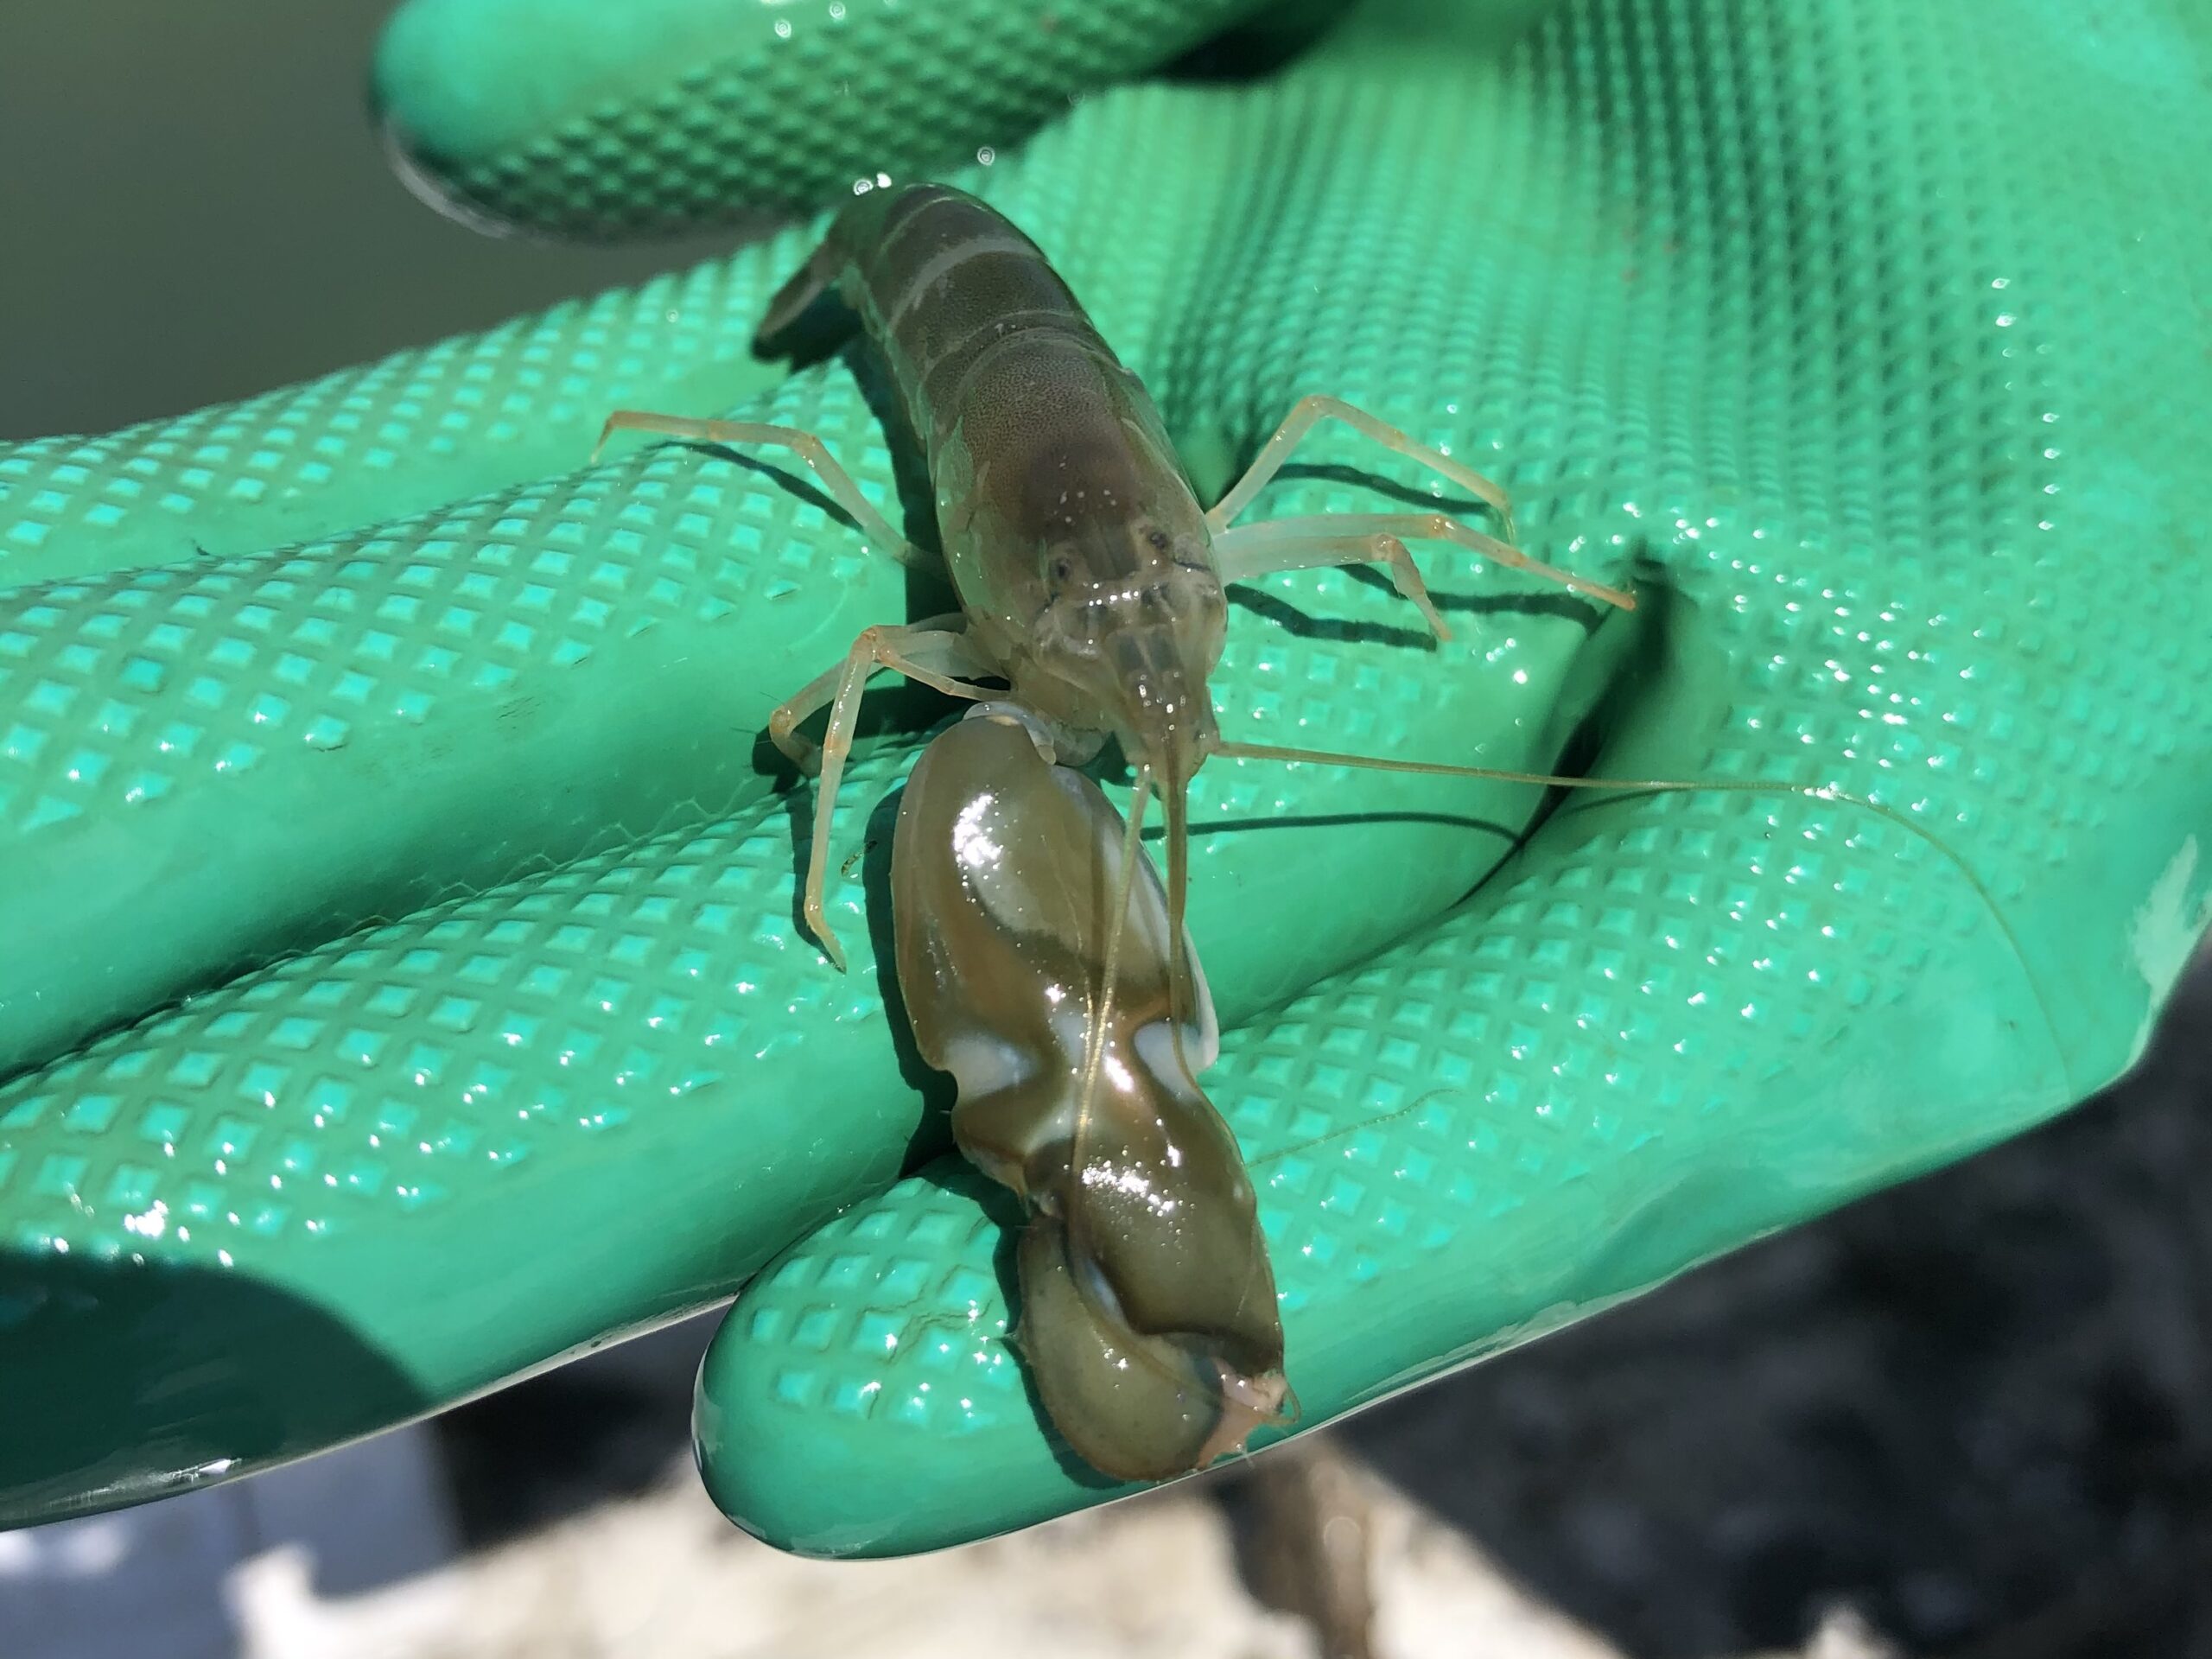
<point x="1175" y="798"/>
<point x="1677" y="786"/>
<point x="1437" y="769"/>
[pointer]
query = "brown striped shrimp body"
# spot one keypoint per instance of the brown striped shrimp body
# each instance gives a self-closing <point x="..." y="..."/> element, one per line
<point x="1089" y="579"/>
<point x="1090" y="584"/>
<point x="1148" y="1312"/>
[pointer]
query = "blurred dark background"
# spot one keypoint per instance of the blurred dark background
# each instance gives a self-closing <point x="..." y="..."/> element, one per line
<point x="193" y="208"/>
<point x="1977" y="1410"/>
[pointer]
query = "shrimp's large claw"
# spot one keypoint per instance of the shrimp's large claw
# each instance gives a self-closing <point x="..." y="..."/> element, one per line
<point x="1147" y="1316"/>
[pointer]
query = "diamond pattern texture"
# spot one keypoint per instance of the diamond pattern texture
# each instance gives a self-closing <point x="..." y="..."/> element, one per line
<point x="751" y="107"/>
<point x="1810" y="324"/>
<point x="470" y="415"/>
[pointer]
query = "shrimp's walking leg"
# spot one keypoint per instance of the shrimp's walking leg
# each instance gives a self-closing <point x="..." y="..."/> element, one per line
<point x="808" y="447"/>
<point x="1243" y="546"/>
<point x="932" y="651"/>
<point x="1307" y="545"/>
<point x="1308" y="413"/>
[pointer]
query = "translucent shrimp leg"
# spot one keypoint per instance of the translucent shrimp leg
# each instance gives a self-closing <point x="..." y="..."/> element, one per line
<point x="1309" y="412"/>
<point x="1234" y="545"/>
<point x="1312" y="543"/>
<point x="932" y="651"/>
<point x="808" y="447"/>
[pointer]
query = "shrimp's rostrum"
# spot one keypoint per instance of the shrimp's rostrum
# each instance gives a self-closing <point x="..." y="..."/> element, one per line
<point x="1090" y="581"/>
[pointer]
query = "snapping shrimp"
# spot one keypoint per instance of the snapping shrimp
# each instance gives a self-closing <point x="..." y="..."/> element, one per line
<point x="1090" y="586"/>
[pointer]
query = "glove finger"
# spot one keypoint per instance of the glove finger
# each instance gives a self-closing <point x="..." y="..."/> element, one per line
<point x="409" y="1165"/>
<point x="1556" y="1097"/>
<point x="663" y="115"/>
<point x="208" y="765"/>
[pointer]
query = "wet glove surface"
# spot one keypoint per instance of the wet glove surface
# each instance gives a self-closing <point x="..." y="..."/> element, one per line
<point x="401" y="985"/>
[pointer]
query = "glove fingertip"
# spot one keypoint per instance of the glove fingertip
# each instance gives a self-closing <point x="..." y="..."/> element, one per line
<point x="860" y="1399"/>
<point x="471" y="95"/>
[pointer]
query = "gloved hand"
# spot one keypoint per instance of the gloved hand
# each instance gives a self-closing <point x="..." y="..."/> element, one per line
<point x="1861" y="340"/>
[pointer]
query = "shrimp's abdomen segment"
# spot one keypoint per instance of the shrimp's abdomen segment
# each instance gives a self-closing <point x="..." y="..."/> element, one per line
<point x="1147" y="1315"/>
<point x="1028" y="418"/>
<point x="939" y="281"/>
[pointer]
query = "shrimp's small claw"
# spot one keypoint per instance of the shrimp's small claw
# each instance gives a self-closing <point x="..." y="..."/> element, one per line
<point x="801" y="752"/>
<point x="818" y="924"/>
<point x="623" y="420"/>
<point x="1405" y="576"/>
<point x="1248" y="1404"/>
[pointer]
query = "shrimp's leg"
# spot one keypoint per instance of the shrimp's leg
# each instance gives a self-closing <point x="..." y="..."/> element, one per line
<point x="1258" y="548"/>
<point x="932" y="651"/>
<point x="1309" y="412"/>
<point x="808" y="447"/>
<point x="1243" y="547"/>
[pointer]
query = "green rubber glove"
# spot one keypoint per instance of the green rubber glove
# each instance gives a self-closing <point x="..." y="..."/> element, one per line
<point x="1862" y="339"/>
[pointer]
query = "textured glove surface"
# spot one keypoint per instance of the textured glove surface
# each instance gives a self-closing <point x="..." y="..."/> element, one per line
<point x="1861" y="339"/>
